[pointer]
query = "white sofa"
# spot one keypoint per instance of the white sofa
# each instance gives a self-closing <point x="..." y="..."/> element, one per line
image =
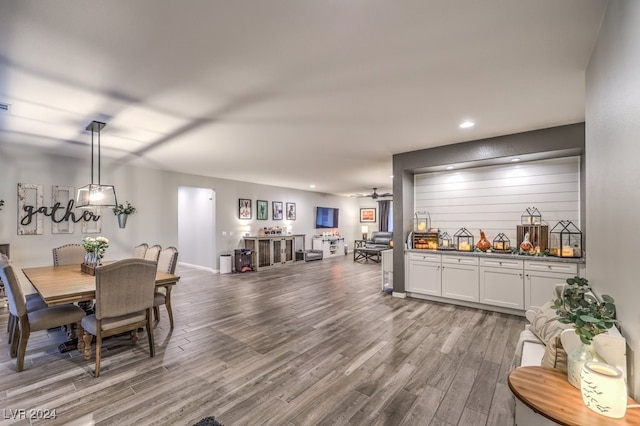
<point x="530" y="351"/>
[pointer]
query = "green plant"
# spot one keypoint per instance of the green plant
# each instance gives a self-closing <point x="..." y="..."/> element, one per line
<point x="579" y="307"/>
<point x="127" y="208"/>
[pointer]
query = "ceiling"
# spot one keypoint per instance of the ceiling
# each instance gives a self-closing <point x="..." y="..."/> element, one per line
<point x="288" y="92"/>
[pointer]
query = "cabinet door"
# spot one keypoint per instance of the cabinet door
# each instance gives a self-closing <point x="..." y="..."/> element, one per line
<point x="460" y="282"/>
<point x="502" y="287"/>
<point x="424" y="278"/>
<point x="538" y="287"/>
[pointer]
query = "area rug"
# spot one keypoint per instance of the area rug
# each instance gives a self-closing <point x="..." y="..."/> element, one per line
<point x="208" y="421"/>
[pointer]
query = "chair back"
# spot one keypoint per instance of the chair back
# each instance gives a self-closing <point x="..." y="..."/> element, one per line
<point x="13" y="289"/>
<point x="69" y="254"/>
<point x="168" y="259"/>
<point x="140" y="250"/>
<point x="153" y="252"/>
<point x="124" y="287"/>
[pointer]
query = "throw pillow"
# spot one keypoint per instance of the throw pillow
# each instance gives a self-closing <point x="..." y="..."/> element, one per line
<point x="545" y="324"/>
<point x="554" y="355"/>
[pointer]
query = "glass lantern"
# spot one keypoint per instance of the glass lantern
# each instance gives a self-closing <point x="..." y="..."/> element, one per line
<point x="421" y="222"/>
<point x="464" y="240"/>
<point x="565" y="240"/>
<point x="531" y="216"/>
<point x="445" y="241"/>
<point x="501" y="243"/>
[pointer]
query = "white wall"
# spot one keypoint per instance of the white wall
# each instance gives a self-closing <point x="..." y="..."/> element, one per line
<point x="155" y="194"/>
<point x="613" y="175"/>
<point x="493" y="198"/>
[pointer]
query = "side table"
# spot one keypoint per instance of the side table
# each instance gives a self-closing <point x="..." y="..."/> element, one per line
<point x="547" y="392"/>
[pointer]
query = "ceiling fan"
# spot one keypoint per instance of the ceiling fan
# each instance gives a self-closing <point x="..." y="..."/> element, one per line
<point x="374" y="195"/>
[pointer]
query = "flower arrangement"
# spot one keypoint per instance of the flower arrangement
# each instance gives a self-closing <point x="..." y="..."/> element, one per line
<point x="95" y="247"/>
<point x="578" y="307"/>
<point x="126" y="208"/>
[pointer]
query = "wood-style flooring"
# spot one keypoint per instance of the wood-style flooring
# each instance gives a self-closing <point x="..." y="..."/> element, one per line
<point x="300" y="344"/>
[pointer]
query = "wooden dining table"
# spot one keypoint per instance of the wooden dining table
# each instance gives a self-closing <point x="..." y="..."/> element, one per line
<point x="67" y="284"/>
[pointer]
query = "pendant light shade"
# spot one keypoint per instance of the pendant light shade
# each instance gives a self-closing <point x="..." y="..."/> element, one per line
<point x="96" y="195"/>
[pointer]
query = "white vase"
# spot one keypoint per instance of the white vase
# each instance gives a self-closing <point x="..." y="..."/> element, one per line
<point x="91" y="259"/>
<point x="577" y="358"/>
<point x="604" y="389"/>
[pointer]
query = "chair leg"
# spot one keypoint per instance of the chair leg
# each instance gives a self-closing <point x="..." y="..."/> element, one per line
<point x="15" y="339"/>
<point x="80" y="336"/>
<point x="98" y="350"/>
<point x="22" y="345"/>
<point x="156" y="314"/>
<point x="169" y="311"/>
<point x="11" y="327"/>
<point x="152" y="348"/>
<point x="87" y="338"/>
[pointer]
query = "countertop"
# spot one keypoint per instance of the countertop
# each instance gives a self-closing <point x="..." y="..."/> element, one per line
<point x="578" y="260"/>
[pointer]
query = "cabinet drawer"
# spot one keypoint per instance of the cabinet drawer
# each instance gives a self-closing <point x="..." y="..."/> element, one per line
<point x="425" y="257"/>
<point x="460" y="260"/>
<point x="566" y="268"/>
<point x="503" y="263"/>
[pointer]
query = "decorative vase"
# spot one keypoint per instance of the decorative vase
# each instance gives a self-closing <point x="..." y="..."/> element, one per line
<point x="603" y="389"/>
<point x="576" y="359"/>
<point x="483" y="244"/>
<point x="122" y="220"/>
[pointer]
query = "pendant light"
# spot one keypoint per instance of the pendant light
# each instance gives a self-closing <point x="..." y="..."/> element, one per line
<point x="96" y="195"/>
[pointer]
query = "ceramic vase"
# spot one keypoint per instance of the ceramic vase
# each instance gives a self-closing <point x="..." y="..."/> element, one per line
<point x="604" y="389"/>
<point x="576" y="360"/>
<point x="483" y="244"/>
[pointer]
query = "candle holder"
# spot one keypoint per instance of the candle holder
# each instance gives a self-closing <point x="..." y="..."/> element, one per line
<point x="531" y="223"/>
<point x="445" y="243"/>
<point x="464" y="240"/>
<point x="565" y="240"/>
<point x="501" y="243"/>
<point x="421" y="222"/>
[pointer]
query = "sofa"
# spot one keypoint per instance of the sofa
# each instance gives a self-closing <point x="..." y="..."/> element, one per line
<point x="379" y="239"/>
<point x="546" y="342"/>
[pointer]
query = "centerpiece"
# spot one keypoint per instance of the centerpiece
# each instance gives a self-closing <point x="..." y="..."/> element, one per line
<point x="589" y="317"/>
<point x="95" y="248"/>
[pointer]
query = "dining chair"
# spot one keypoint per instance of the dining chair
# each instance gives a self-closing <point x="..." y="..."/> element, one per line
<point x="41" y="319"/>
<point x="68" y="254"/>
<point x="153" y="252"/>
<point x="124" y="301"/>
<point x="140" y="250"/>
<point x="167" y="261"/>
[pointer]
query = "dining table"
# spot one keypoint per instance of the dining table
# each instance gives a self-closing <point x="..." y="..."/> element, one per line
<point x="68" y="283"/>
<point x="59" y="285"/>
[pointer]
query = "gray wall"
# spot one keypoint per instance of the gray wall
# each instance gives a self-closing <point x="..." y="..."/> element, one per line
<point x="155" y="194"/>
<point x="554" y="142"/>
<point x="613" y="176"/>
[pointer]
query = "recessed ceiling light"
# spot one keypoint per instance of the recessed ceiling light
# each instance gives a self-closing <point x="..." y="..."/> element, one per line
<point x="449" y="167"/>
<point x="515" y="160"/>
<point x="467" y="124"/>
<point x="312" y="186"/>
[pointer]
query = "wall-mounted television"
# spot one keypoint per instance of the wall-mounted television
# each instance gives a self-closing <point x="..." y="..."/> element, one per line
<point x="327" y="217"/>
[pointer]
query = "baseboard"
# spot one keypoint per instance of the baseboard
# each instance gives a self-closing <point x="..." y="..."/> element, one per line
<point x="204" y="268"/>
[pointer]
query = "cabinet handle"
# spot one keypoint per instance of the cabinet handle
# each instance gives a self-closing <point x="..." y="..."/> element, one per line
<point x="520" y="275"/>
<point x="549" y="266"/>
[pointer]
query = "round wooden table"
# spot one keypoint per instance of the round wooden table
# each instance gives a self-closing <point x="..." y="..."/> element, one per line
<point x="547" y="392"/>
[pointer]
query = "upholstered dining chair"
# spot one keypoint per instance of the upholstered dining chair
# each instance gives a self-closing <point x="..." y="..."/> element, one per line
<point x="68" y="254"/>
<point x="124" y="301"/>
<point x="166" y="263"/>
<point x="153" y="252"/>
<point x="140" y="250"/>
<point x="41" y="319"/>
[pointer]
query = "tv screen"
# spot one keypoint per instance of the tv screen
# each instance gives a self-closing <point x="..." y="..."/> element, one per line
<point x="326" y="217"/>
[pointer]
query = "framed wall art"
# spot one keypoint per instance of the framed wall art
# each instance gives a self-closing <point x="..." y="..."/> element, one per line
<point x="263" y="209"/>
<point x="367" y="215"/>
<point x="277" y="210"/>
<point x="291" y="211"/>
<point x="244" y="208"/>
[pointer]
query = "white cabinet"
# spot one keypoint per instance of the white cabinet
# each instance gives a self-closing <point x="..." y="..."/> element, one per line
<point x="502" y="283"/>
<point x="330" y="246"/>
<point x="541" y="277"/>
<point x="387" y="269"/>
<point x="425" y="274"/>
<point x="460" y="278"/>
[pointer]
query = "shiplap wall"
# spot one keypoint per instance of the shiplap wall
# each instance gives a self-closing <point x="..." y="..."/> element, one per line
<point x="493" y="198"/>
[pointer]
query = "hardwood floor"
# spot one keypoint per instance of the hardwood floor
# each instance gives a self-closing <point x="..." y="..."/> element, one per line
<point x="305" y="344"/>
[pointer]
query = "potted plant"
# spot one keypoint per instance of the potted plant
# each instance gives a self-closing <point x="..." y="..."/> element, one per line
<point x="122" y="211"/>
<point x="589" y="317"/>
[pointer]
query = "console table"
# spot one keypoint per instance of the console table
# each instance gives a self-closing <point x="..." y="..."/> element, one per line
<point x="272" y="250"/>
<point x="547" y="392"/>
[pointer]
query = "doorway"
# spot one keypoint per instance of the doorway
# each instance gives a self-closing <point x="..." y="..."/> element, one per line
<point x="197" y="226"/>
